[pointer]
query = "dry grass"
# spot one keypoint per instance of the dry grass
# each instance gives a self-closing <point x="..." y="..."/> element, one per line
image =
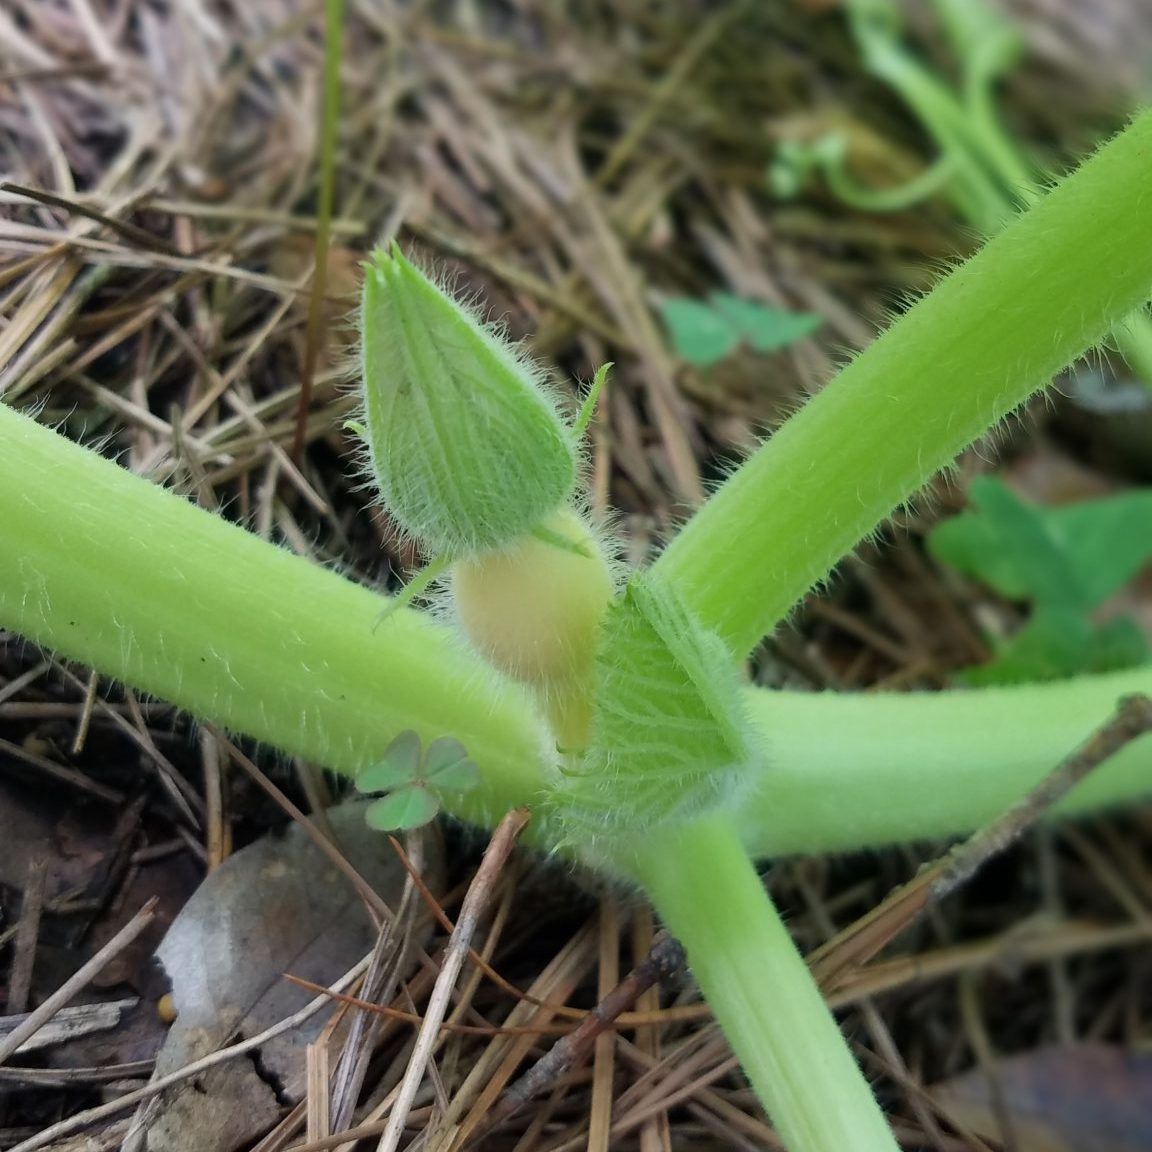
<point x="570" y="163"/>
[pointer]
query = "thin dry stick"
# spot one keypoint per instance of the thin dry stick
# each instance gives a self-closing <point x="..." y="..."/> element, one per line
<point x="1013" y="949"/>
<point x="660" y="1101"/>
<point x="861" y="941"/>
<point x="38" y="1018"/>
<point x="133" y="234"/>
<point x="15" y="687"/>
<point x="402" y="1017"/>
<point x="81" y="1121"/>
<point x="62" y="1077"/>
<point x="218" y="831"/>
<point x="696" y="1061"/>
<point x="183" y="795"/>
<point x="27" y="935"/>
<point x="495" y="856"/>
<point x="662" y="963"/>
<point x="319" y="1099"/>
<point x="86" y="715"/>
<point x="389" y="957"/>
<point x="62" y="772"/>
<point x="604" y="1060"/>
<point x="349" y="1136"/>
<point x="628" y="1019"/>
<point x="656" y="1135"/>
<point x="670" y="84"/>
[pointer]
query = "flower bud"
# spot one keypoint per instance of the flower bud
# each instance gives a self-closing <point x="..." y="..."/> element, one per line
<point x="467" y="448"/>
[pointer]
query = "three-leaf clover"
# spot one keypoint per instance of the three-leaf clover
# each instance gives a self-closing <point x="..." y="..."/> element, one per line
<point x="413" y="778"/>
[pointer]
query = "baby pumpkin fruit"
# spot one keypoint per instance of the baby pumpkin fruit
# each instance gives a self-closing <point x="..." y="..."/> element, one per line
<point x="533" y="609"/>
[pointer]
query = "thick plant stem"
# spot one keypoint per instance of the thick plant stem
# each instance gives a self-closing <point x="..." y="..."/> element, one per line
<point x="854" y="771"/>
<point x="709" y="895"/>
<point x="994" y="331"/>
<point x="106" y="568"/>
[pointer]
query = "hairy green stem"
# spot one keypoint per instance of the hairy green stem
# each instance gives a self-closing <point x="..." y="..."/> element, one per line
<point x="108" y="569"/>
<point x="707" y="892"/>
<point x="998" y="328"/>
<point x="854" y="771"/>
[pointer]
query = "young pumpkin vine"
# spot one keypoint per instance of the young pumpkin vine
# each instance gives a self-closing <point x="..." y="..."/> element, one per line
<point x="609" y="703"/>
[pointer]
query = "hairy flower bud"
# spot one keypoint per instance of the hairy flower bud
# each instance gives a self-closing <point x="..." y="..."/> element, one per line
<point x="466" y="445"/>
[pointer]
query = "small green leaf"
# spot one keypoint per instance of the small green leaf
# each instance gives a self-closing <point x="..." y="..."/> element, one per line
<point x="1053" y="645"/>
<point x="703" y="332"/>
<point x="1010" y="545"/>
<point x="447" y="766"/>
<point x="1098" y="545"/>
<point x="400" y="765"/>
<point x="1108" y="541"/>
<point x="410" y="807"/>
<point x="699" y="334"/>
<point x="765" y="328"/>
<point x="1066" y="561"/>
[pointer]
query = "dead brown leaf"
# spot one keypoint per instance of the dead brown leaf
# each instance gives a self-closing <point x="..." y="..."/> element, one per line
<point x="278" y="905"/>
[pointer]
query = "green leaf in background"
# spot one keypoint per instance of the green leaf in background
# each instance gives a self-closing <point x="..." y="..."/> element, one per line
<point x="1100" y="544"/>
<point x="1118" y="643"/>
<point x="699" y="334"/>
<point x="1052" y="645"/>
<point x="1055" y="646"/>
<point x="1107" y="541"/>
<point x="765" y="328"/>
<point x="1017" y="547"/>
<point x="972" y="543"/>
<point x="703" y="332"/>
<point x="1066" y="561"/>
